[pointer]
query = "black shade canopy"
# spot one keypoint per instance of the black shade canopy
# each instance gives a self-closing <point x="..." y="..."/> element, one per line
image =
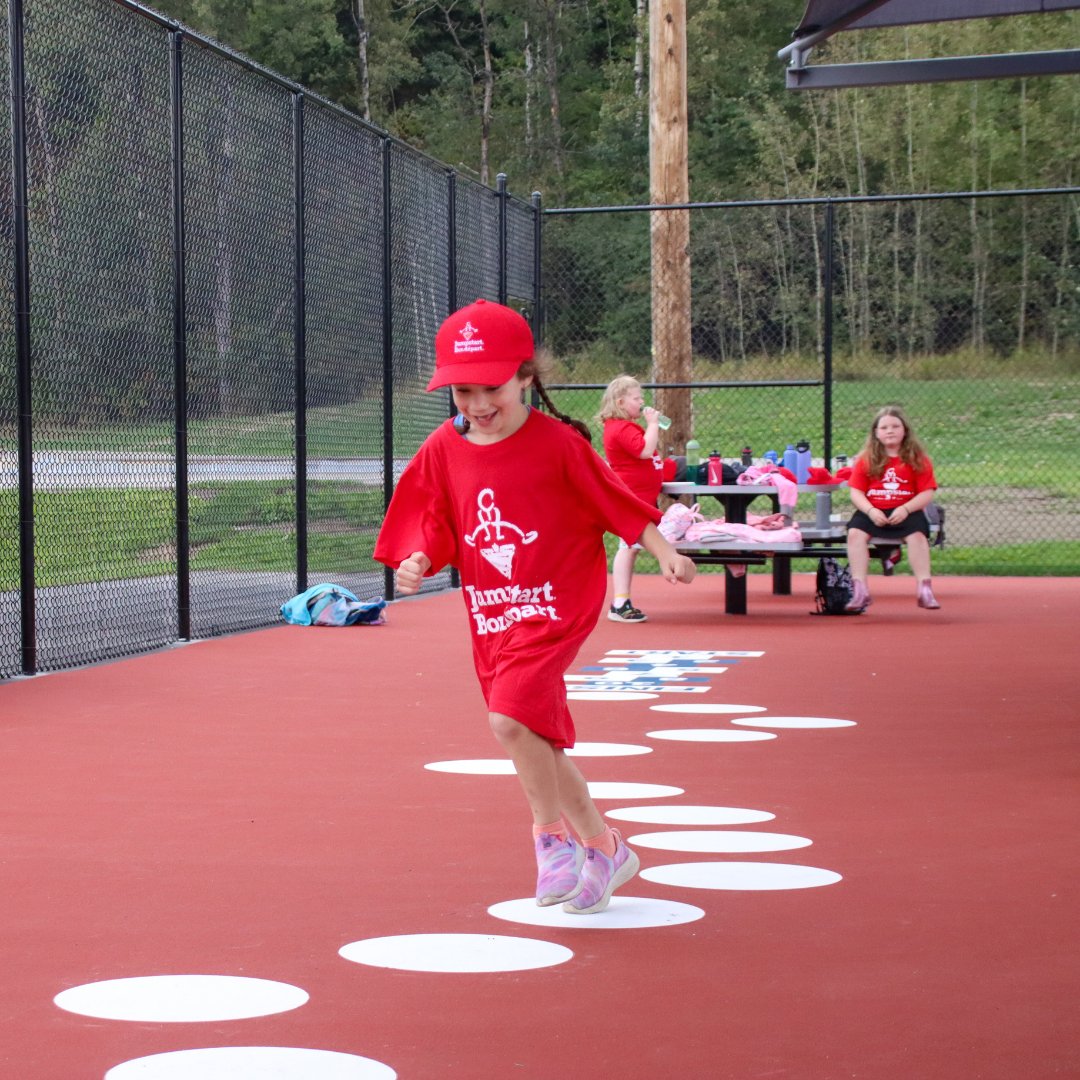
<point x="823" y="18"/>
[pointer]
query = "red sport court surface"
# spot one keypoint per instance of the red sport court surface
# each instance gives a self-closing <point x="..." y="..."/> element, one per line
<point x="298" y="853"/>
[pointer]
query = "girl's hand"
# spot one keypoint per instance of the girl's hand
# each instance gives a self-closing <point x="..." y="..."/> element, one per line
<point x="878" y="517"/>
<point x="652" y="416"/>
<point x="678" y="568"/>
<point x="410" y="573"/>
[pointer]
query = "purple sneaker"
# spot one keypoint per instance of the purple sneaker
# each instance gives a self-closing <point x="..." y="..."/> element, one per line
<point x="558" y="869"/>
<point x="601" y="876"/>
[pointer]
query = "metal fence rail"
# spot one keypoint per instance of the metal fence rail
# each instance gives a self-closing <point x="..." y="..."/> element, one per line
<point x="218" y="302"/>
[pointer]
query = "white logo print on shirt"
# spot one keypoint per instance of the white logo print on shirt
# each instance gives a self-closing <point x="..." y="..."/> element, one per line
<point x="491" y="524"/>
<point x="889" y="480"/>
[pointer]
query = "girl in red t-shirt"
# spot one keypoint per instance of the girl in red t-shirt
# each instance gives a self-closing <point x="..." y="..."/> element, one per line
<point x="891" y="483"/>
<point x="632" y="453"/>
<point x="519" y="503"/>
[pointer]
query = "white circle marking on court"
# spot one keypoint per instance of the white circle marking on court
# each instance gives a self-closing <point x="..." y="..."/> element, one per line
<point x="719" y="841"/>
<point x="740" y="876"/>
<point x="181" y="998"/>
<point x="623" y="913"/>
<point x="705" y="708"/>
<point x="794" y="722"/>
<point x="607" y="749"/>
<point x="609" y="695"/>
<point x="455" y="952"/>
<point x="251" y="1063"/>
<point x="689" y="815"/>
<point x="475" y="766"/>
<point x="704" y="735"/>
<point x="612" y="789"/>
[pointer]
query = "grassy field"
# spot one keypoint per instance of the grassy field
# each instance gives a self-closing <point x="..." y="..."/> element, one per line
<point x="1001" y="446"/>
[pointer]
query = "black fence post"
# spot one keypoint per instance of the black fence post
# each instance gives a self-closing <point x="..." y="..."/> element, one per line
<point x="451" y="241"/>
<point x="500" y="194"/>
<point x="827" y="371"/>
<point x="21" y="289"/>
<point x="183" y="508"/>
<point x="451" y="292"/>
<point x="300" y="345"/>
<point x="388" y="348"/>
<point x="538" y="269"/>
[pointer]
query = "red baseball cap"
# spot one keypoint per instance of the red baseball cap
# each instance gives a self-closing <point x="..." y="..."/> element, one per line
<point x="483" y="343"/>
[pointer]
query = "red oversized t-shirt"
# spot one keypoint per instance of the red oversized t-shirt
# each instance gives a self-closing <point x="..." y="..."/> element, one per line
<point x="623" y="442"/>
<point x="897" y="484"/>
<point x="523" y="520"/>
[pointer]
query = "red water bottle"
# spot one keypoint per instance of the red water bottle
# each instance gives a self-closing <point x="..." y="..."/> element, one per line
<point x="716" y="469"/>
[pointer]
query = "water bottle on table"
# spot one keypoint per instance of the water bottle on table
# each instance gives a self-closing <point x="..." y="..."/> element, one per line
<point x="716" y="469"/>
<point x="802" y="462"/>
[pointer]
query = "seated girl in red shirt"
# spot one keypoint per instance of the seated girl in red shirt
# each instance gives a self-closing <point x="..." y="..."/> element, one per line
<point x="632" y="454"/>
<point x="892" y="481"/>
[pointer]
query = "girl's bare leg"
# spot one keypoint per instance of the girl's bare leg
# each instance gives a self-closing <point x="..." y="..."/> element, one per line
<point x="552" y="783"/>
<point x="577" y="803"/>
<point x="858" y="552"/>
<point x="919" y="555"/>
<point x="535" y="760"/>
<point x="622" y="570"/>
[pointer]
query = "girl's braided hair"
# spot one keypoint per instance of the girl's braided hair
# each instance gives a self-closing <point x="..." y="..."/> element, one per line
<point x="541" y="364"/>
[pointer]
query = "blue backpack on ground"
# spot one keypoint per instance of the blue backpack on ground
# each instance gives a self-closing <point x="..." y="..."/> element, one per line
<point x="332" y="605"/>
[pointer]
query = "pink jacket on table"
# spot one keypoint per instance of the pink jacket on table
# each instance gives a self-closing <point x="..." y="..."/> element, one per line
<point x="768" y="473"/>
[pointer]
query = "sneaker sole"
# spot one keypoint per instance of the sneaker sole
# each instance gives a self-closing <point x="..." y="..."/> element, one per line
<point x="619" y="618"/>
<point x="551" y="901"/>
<point x="619" y="878"/>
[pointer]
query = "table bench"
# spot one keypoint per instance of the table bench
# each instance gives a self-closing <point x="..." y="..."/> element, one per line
<point x="817" y="542"/>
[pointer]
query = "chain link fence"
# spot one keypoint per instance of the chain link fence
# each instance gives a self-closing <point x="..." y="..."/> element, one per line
<point x="218" y="303"/>
<point x="221" y="292"/>
<point x="806" y="316"/>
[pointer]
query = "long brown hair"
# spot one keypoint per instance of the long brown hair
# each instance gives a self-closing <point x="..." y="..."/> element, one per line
<point x="911" y="452"/>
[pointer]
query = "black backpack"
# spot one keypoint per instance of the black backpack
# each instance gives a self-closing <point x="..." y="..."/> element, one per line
<point x="834" y="588"/>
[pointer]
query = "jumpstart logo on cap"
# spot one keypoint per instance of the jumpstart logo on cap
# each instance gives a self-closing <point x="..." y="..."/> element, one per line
<point x="468" y="332"/>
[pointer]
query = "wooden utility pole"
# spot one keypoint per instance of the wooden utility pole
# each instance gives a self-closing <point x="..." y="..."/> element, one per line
<point x="669" y="181"/>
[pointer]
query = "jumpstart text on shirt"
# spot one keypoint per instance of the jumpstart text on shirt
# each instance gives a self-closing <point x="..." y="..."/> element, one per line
<point x="525" y="603"/>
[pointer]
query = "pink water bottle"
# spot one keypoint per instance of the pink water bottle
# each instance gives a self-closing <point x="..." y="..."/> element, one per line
<point x="716" y="469"/>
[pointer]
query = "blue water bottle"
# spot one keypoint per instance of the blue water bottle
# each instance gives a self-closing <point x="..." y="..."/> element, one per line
<point x="791" y="459"/>
<point x="802" y="462"/>
<point x="771" y="455"/>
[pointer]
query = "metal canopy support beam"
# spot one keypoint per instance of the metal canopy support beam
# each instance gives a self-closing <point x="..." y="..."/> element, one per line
<point x="944" y="69"/>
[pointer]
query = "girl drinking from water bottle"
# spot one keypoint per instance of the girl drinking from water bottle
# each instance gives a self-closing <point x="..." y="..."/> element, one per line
<point x="519" y="503"/>
<point x="631" y="452"/>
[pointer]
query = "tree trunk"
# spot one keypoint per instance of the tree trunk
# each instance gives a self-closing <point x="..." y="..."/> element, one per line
<point x="530" y="78"/>
<point x="639" y="56"/>
<point x="363" y="72"/>
<point x="551" y="72"/>
<point x="489" y="93"/>
<point x="670" y="229"/>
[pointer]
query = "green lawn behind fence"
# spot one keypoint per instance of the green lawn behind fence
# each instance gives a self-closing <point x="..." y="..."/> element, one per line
<point x="991" y="438"/>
